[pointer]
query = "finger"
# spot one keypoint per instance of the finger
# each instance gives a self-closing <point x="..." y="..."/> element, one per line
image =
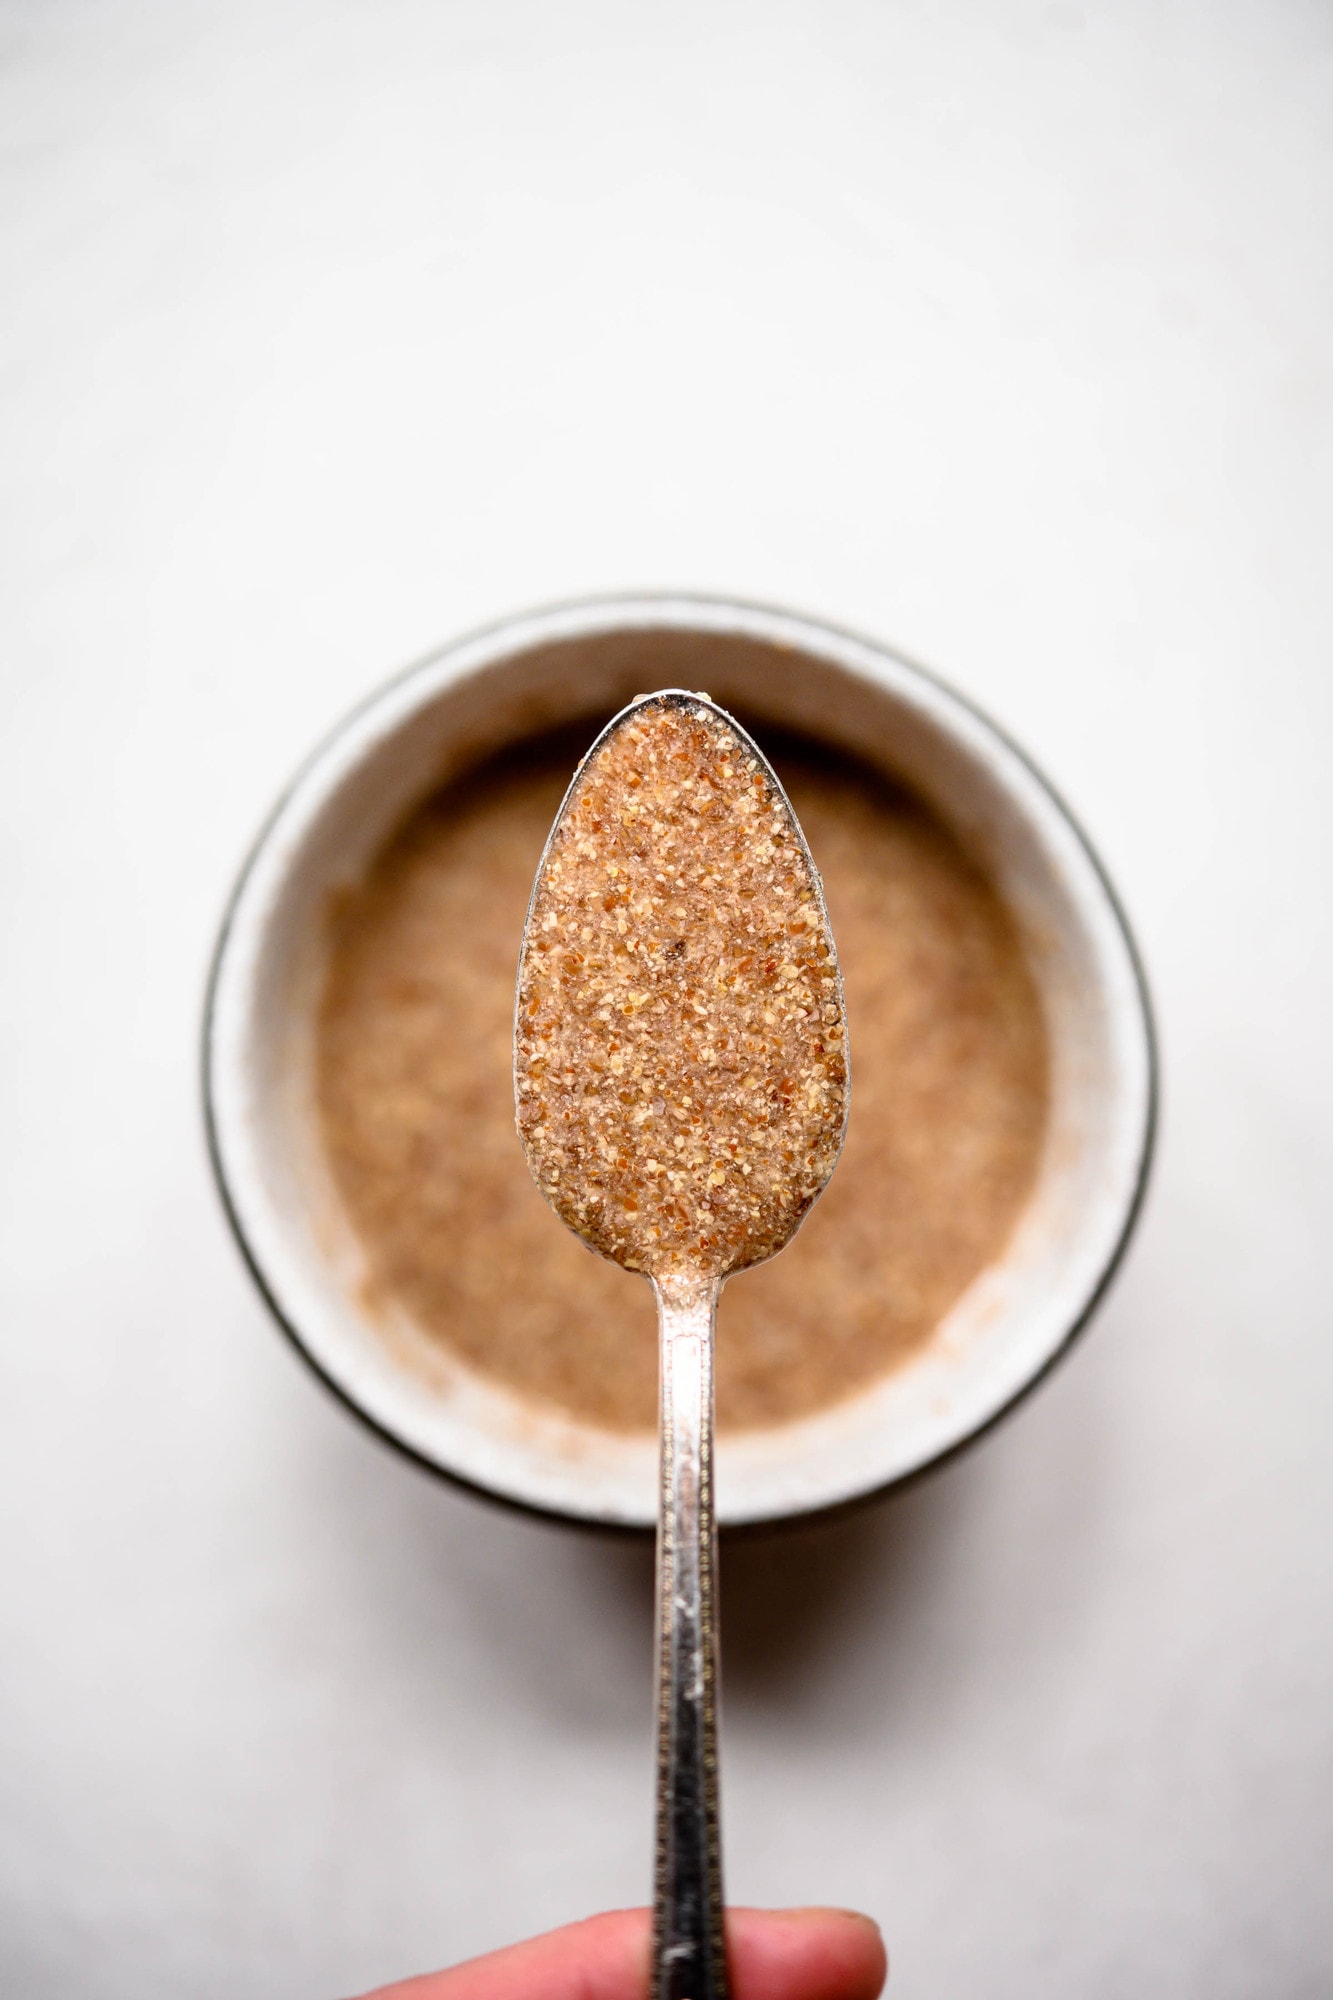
<point x="805" y="1955"/>
<point x="773" y="1955"/>
<point x="603" y="1958"/>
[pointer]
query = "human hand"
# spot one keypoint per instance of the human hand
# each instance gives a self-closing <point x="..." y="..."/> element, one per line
<point x="773" y="1954"/>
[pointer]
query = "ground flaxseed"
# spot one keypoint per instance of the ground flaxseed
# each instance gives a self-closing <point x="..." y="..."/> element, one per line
<point x="414" y="1063"/>
<point x="680" y="1051"/>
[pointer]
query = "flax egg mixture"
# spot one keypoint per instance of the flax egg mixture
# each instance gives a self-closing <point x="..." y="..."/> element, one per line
<point x="680" y="1049"/>
<point x="416" y="1095"/>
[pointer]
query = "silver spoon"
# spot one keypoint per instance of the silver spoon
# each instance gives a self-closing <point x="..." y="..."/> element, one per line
<point x="681" y="1084"/>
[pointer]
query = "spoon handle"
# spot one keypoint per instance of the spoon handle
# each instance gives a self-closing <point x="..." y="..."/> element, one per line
<point x="689" y="1960"/>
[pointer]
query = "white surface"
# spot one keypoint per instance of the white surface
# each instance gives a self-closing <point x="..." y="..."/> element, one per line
<point x="1000" y="331"/>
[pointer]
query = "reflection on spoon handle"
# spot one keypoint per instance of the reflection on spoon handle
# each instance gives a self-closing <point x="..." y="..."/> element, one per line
<point x="689" y="1961"/>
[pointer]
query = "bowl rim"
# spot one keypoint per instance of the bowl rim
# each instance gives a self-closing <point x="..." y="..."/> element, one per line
<point x="508" y="638"/>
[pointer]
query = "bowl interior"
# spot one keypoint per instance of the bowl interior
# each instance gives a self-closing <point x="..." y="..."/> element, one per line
<point x="584" y="663"/>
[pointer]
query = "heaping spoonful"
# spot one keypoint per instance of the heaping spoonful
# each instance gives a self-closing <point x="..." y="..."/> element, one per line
<point x="680" y="1072"/>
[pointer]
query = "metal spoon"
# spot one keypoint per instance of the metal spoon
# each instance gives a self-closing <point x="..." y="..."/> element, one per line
<point x="679" y="995"/>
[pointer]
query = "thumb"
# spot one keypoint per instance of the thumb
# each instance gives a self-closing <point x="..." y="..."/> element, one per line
<point x="772" y="1954"/>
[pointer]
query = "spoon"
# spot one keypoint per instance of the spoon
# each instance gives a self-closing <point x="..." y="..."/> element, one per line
<point x="681" y="1084"/>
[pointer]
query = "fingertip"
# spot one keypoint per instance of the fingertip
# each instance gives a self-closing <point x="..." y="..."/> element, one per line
<point x="813" y="1954"/>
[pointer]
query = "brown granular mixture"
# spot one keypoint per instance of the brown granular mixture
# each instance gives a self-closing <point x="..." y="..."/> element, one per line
<point x="416" y="1093"/>
<point x="680" y="1051"/>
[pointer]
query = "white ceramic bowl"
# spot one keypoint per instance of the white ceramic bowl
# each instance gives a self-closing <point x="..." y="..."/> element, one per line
<point x="585" y="661"/>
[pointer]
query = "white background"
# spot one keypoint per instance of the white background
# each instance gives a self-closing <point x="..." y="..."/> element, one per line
<point x="1002" y="332"/>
